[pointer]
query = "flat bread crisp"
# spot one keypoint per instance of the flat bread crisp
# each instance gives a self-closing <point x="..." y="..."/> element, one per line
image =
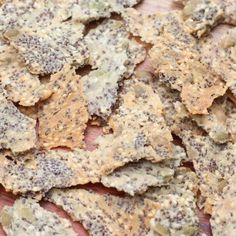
<point x="105" y="215"/>
<point x="223" y="213"/>
<point x="180" y="68"/>
<point x="47" y="50"/>
<point x="26" y="217"/>
<point x="18" y="132"/>
<point x="63" y="117"/>
<point x="201" y="16"/>
<point x="20" y="85"/>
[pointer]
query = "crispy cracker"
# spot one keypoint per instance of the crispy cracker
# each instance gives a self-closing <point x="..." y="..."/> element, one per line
<point x="27" y="218"/>
<point x="176" y="216"/>
<point x="214" y="165"/>
<point x="104" y="214"/>
<point x="221" y="56"/>
<point x="224" y="212"/>
<point x="138" y="177"/>
<point x="111" y="49"/>
<point x="63" y="117"/>
<point x="202" y="16"/>
<point x="47" y="50"/>
<point x="18" y="132"/>
<point x="151" y="28"/>
<point x="21" y="86"/>
<point x="180" y="68"/>
<point x="86" y="11"/>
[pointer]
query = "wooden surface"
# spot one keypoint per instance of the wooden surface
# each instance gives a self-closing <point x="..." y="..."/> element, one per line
<point x="147" y="6"/>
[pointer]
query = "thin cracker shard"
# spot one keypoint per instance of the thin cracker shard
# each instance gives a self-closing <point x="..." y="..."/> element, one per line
<point x="202" y="16"/>
<point x="105" y="214"/>
<point x="63" y="117"/>
<point x="175" y="216"/>
<point x="18" y="132"/>
<point x="180" y="68"/>
<point x="214" y="165"/>
<point x="137" y="177"/>
<point x="155" y="26"/>
<point x="46" y="51"/>
<point x="223" y="213"/>
<point x="21" y="86"/>
<point x="26" y="217"/>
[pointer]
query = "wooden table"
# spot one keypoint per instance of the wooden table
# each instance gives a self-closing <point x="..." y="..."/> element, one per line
<point x="147" y="6"/>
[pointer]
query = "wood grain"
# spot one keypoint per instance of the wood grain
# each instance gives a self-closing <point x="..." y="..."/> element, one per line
<point x="7" y="199"/>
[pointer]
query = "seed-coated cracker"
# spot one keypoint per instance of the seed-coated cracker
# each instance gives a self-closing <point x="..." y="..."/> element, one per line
<point x="27" y="218"/>
<point x="105" y="215"/>
<point x="63" y="117"/>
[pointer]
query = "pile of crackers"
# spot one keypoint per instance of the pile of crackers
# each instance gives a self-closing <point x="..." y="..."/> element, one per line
<point x="65" y="64"/>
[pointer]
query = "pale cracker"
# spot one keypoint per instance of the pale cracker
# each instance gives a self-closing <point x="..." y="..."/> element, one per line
<point x="176" y="216"/>
<point x="214" y="165"/>
<point x="18" y="132"/>
<point x="221" y="56"/>
<point x="21" y="86"/>
<point x="63" y="117"/>
<point x="26" y="217"/>
<point x="201" y="16"/>
<point x="105" y="215"/>
<point x="224" y="212"/>
<point x="151" y="28"/>
<point x="179" y="67"/>
<point x="47" y="50"/>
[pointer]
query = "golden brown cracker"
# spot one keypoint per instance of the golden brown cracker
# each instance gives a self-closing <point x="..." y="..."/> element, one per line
<point x="63" y="117"/>
<point x="27" y="217"/>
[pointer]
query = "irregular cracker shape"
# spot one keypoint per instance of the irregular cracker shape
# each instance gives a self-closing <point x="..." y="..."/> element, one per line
<point x="221" y="56"/>
<point x="86" y="11"/>
<point x="224" y="212"/>
<point x="201" y="16"/>
<point x="27" y="218"/>
<point x="176" y="216"/>
<point x="21" y="86"/>
<point x="18" y="131"/>
<point x="138" y="177"/>
<point x="47" y="50"/>
<point x="214" y="165"/>
<point x="157" y="26"/>
<point x="63" y="117"/>
<point x="105" y="215"/>
<point x="180" y="68"/>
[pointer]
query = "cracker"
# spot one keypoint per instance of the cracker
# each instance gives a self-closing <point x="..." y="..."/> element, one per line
<point x="181" y="70"/>
<point x="214" y="165"/>
<point x="137" y="177"/>
<point x="223" y="213"/>
<point x="111" y="49"/>
<point x="21" y="86"/>
<point x="220" y="122"/>
<point x="47" y="50"/>
<point x="176" y="216"/>
<point x="151" y="28"/>
<point x="86" y="11"/>
<point x="17" y="130"/>
<point x="63" y="117"/>
<point x="202" y="16"/>
<point x="26" y="217"/>
<point x="104" y="214"/>
<point x="221" y="56"/>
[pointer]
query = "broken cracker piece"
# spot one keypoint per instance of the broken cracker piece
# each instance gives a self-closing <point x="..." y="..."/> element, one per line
<point x="180" y="68"/>
<point x="47" y="50"/>
<point x="175" y="216"/>
<point x="27" y="218"/>
<point x="18" y="131"/>
<point x="21" y="86"/>
<point x="105" y="215"/>
<point x="63" y="117"/>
